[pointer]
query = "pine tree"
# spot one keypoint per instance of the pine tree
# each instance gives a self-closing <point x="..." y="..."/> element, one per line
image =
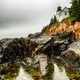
<point x="75" y="9"/>
<point x="53" y="20"/>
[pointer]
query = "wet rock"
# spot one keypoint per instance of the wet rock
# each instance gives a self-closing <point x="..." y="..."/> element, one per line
<point x="75" y="46"/>
<point x="72" y="60"/>
<point x="18" y="49"/>
<point x="36" y="35"/>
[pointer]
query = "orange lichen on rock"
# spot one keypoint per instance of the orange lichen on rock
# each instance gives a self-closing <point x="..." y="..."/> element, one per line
<point x="66" y="26"/>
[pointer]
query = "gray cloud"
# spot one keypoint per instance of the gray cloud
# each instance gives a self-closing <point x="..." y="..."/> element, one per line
<point x="27" y="10"/>
<point x="37" y="13"/>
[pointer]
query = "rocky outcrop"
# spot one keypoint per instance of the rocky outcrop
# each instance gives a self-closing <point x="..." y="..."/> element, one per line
<point x="64" y="26"/>
<point x="72" y="56"/>
<point x="60" y="49"/>
<point x="75" y="46"/>
<point x="17" y="49"/>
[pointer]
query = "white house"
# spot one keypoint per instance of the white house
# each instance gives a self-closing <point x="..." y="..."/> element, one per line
<point x="62" y="14"/>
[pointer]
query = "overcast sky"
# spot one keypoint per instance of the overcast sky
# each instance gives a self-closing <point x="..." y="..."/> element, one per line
<point x="21" y="17"/>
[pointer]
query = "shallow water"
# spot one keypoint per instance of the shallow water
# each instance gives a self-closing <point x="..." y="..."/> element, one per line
<point x="59" y="74"/>
<point x="23" y="75"/>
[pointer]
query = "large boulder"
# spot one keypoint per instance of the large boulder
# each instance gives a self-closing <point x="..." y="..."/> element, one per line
<point x="75" y="46"/>
<point x="18" y="49"/>
<point x="71" y="56"/>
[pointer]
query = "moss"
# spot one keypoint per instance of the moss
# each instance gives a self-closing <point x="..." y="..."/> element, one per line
<point x="74" y="75"/>
<point x="10" y="71"/>
<point x="72" y="18"/>
<point x="35" y="72"/>
<point x="50" y="70"/>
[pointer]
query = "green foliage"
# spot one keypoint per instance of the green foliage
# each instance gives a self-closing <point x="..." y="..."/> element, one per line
<point x="10" y="71"/>
<point x="74" y="75"/>
<point x="50" y="70"/>
<point x="35" y="72"/>
<point x="72" y="19"/>
<point x="75" y="10"/>
<point x="45" y="29"/>
<point x="53" y="20"/>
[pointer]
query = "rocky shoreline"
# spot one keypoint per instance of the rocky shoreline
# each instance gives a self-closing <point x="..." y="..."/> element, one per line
<point x="37" y="56"/>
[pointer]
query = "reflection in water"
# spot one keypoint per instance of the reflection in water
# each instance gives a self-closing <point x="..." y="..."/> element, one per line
<point x="58" y="74"/>
<point x="23" y="75"/>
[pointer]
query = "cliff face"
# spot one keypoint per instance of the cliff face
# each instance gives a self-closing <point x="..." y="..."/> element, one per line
<point x="66" y="26"/>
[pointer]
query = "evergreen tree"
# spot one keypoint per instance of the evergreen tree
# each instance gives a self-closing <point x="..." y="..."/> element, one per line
<point x="75" y="10"/>
<point x="53" y="20"/>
